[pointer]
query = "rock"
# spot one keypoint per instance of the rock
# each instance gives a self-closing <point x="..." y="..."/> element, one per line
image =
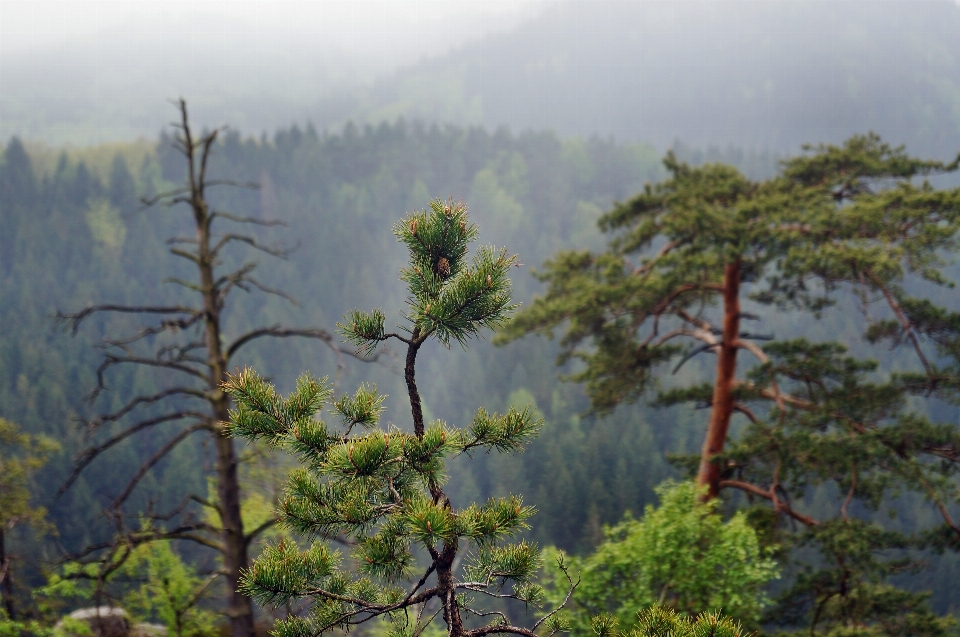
<point x="104" y="621"/>
<point x="148" y="630"/>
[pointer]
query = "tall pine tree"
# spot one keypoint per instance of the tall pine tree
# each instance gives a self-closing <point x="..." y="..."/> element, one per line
<point x="858" y="221"/>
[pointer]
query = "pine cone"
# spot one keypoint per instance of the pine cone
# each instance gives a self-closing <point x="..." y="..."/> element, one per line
<point x="443" y="267"/>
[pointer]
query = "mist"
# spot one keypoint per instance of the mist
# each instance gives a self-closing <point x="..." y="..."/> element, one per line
<point x="95" y="71"/>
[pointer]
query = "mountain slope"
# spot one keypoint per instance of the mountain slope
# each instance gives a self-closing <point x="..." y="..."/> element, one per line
<point x="765" y="74"/>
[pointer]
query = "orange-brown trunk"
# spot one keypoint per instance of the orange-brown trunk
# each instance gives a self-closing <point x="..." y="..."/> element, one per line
<point x="709" y="473"/>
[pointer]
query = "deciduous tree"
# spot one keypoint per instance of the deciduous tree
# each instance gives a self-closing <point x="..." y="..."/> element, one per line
<point x="20" y="456"/>
<point x="681" y="554"/>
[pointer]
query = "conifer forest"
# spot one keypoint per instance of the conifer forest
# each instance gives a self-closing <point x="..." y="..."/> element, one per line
<point x="601" y="319"/>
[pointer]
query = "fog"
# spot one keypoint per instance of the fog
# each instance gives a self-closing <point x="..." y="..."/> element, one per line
<point x="766" y="75"/>
<point x="101" y="70"/>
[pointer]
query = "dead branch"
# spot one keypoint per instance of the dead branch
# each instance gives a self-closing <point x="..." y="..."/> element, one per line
<point x="252" y="535"/>
<point x="144" y="400"/>
<point x="277" y="331"/>
<point x="274" y="251"/>
<point x="74" y="320"/>
<point x="239" y="219"/>
<point x="113" y="359"/>
<point x="89" y="455"/>
<point x="174" y="325"/>
<point x="146" y="466"/>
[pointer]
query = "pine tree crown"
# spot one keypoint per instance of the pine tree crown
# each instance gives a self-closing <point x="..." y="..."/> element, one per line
<point x="449" y="297"/>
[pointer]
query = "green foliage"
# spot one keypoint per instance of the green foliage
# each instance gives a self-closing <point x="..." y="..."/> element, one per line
<point x="380" y="489"/>
<point x="659" y="621"/>
<point x="681" y="555"/>
<point x="169" y="590"/>
<point x="856" y="223"/>
<point x="331" y="190"/>
<point x="23" y="455"/>
<point x="105" y="223"/>
<point x="369" y="487"/>
<point x="68" y="586"/>
<point x="448" y="297"/>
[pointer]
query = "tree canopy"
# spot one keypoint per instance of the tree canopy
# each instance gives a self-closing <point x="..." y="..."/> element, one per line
<point x="693" y="258"/>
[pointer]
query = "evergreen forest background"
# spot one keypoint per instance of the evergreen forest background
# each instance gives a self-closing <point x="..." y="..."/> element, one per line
<point x="533" y="140"/>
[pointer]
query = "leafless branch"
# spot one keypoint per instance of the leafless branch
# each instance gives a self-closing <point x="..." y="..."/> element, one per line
<point x="74" y="320"/>
<point x="278" y="331"/>
<point x="172" y="325"/>
<point x="111" y="360"/>
<point x="570" y="590"/>
<point x="89" y="455"/>
<point x="904" y="322"/>
<point x="275" y="251"/>
<point x="239" y="219"/>
<point x="146" y="466"/>
<point x="252" y="535"/>
<point x="144" y="400"/>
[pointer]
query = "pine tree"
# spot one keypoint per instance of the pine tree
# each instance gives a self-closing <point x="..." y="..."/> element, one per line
<point x="380" y="488"/>
<point x="858" y="222"/>
<point x="658" y="621"/>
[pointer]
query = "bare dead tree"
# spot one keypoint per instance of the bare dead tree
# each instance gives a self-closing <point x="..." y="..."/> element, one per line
<point x="190" y="373"/>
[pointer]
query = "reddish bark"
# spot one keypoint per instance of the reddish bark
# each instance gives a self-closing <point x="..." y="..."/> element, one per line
<point x="709" y="473"/>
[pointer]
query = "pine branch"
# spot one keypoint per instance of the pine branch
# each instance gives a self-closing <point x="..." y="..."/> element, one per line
<point x="770" y="495"/>
<point x="904" y="321"/>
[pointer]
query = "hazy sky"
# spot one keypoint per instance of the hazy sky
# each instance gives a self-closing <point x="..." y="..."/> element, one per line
<point x="89" y="70"/>
<point x="407" y="29"/>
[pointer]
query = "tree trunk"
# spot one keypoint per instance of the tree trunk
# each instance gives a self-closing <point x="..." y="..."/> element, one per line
<point x="240" y="609"/>
<point x="447" y="590"/>
<point x="7" y="570"/>
<point x="722" y="405"/>
<point x="235" y="560"/>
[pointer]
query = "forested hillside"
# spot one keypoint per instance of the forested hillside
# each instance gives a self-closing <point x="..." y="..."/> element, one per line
<point x="75" y="237"/>
<point x="763" y="75"/>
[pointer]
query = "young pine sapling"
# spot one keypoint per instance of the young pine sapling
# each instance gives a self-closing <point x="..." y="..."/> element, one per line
<point x="379" y="489"/>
